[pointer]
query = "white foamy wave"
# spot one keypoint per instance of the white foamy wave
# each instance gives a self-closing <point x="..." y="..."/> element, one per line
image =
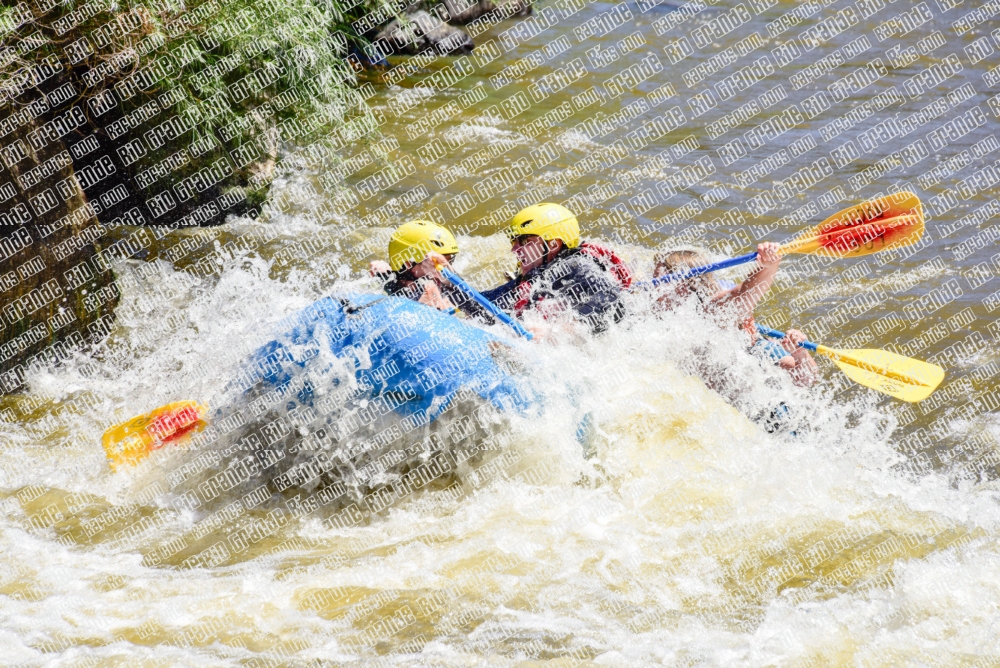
<point x="637" y="516"/>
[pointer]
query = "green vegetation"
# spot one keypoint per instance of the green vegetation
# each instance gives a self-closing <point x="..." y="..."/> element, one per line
<point x="170" y="89"/>
<point x="147" y="112"/>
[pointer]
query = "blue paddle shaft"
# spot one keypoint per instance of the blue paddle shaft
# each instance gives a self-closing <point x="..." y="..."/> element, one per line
<point x="775" y="334"/>
<point x="486" y="303"/>
<point x="698" y="271"/>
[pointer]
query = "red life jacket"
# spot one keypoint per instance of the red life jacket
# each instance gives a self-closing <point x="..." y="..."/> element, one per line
<point x="613" y="264"/>
<point x="523" y="297"/>
<point x="605" y="257"/>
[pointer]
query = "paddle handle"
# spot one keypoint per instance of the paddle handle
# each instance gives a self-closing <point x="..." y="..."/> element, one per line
<point x="485" y="303"/>
<point x="704" y="269"/>
<point x="775" y="334"/>
<point x="795" y="246"/>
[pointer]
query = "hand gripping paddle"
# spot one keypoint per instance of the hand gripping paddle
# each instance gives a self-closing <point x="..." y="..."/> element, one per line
<point x="891" y="222"/>
<point x="484" y="302"/>
<point x="900" y="377"/>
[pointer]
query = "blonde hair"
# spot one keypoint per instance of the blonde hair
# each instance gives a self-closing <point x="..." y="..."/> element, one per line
<point x="705" y="286"/>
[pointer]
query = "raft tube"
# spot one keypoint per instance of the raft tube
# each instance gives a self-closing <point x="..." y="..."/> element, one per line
<point x="412" y="353"/>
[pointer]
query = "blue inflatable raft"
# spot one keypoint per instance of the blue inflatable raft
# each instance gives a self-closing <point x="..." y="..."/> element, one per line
<point x="415" y="356"/>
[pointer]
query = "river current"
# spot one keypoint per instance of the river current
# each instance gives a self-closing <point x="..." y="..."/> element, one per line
<point x="636" y="518"/>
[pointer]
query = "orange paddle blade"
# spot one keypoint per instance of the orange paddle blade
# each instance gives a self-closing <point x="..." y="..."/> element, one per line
<point x="889" y="222"/>
<point x="131" y="442"/>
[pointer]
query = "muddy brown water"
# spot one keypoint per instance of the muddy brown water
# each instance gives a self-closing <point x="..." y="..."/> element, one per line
<point x="680" y="533"/>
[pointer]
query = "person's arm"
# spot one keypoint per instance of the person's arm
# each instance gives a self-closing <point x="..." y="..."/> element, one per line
<point x="748" y="294"/>
<point x="438" y="261"/>
<point x="383" y="273"/>
<point x="433" y="297"/>
<point x="379" y="267"/>
<point x="799" y="364"/>
<point x="450" y="293"/>
<point x="667" y="301"/>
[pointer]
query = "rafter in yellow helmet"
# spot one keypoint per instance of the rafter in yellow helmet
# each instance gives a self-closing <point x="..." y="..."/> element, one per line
<point x="411" y="242"/>
<point x="548" y="221"/>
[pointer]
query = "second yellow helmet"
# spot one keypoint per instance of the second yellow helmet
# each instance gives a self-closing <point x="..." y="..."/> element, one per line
<point x="412" y="241"/>
<point x="548" y="221"/>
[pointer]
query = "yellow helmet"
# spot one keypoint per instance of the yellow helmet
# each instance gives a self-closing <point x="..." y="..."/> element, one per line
<point x="548" y="221"/>
<point x="412" y="241"/>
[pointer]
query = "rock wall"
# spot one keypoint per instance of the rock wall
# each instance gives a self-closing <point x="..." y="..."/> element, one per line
<point x="57" y="286"/>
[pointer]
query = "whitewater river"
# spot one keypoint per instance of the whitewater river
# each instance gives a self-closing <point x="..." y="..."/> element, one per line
<point x="636" y="518"/>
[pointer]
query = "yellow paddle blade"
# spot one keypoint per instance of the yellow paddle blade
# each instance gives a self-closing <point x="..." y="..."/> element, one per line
<point x="900" y="377"/>
<point x="130" y="442"/>
<point x="870" y="227"/>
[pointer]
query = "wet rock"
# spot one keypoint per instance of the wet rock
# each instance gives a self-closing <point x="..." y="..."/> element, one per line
<point x="462" y="12"/>
<point x="420" y="30"/>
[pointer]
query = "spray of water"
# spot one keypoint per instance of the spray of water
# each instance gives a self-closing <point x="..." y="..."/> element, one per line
<point x="635" y="512"/>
